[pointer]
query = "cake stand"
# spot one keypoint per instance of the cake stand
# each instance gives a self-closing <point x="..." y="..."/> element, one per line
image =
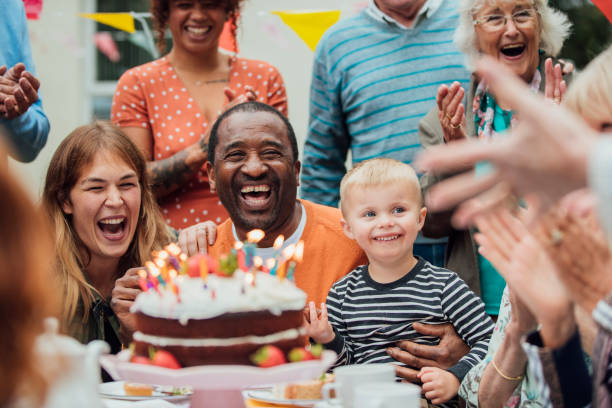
<point x="215" y="385"/>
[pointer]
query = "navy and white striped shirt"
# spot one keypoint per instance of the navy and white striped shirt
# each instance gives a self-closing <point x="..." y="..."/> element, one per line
<point x="372" y="81"/>
<point x="368" y="316"/>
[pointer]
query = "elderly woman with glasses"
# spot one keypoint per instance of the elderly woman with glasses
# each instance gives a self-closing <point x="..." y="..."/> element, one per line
<point x="523" y="34"/>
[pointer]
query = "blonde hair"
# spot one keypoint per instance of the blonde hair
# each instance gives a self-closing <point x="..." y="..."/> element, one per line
<point x="26" y="296"/>
<point x="77" y="151"/>
<point x="590" y="93"/>
<point x="554" y="28"/>
<point x="379" y="172"/>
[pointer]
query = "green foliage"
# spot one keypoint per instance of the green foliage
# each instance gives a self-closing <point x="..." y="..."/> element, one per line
<point x="591" y="31"/>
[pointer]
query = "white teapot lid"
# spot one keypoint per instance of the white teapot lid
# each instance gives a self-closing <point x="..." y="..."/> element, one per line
<point x="52" y="343"/>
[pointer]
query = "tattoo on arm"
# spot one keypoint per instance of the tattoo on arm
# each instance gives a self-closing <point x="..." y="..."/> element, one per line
<point x="172" y="173"/>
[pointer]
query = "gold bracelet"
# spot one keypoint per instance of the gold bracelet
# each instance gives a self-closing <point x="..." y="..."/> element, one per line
<point x="519" y="378"/>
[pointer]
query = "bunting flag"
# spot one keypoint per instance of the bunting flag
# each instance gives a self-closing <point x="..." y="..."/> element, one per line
<point x="120" y="21"/>
<point x="606" y="8"/>
<point x="33" y="8"/>
<point x="309" y="25"/>
<point x="106" y="44"/>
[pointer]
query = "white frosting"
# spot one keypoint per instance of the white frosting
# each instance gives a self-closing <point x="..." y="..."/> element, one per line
<point x="216" y="342"/>
<point x="220" y="295"/>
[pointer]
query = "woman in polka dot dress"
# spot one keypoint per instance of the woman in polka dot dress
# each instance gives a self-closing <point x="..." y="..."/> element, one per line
<point x="168" y="106"/>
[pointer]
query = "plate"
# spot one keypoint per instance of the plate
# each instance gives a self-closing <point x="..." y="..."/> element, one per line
<point x="114" y="390"/>
<point x="214" y="377"/>
<point x="266" y="395"/>
<point x="215" y="386"/>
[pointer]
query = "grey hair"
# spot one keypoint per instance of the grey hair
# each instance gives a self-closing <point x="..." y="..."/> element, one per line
<point x="554" y="29"/>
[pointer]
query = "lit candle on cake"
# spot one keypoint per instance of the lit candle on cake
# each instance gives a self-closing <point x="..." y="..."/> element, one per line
<point x="270" y="263"/>
<point x="173" y="274"/>
<point x="161" y="264"/>
<point x="142" y="280"/>
<point x="297" y="257"/>
<point x="239" y="247"/>
<point x="204" y="268"/>
<point x="253" y="237"/>
<point x="287" y="254"/>
<point x="155" y="275"/>
<point x="174" y="252"/>
<point x="183" y="260"/>
<point x="257" y="263"/>
<point x="278" y="244"/>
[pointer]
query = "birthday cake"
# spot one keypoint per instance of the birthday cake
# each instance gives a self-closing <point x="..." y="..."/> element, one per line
<point x="207" y="311"/>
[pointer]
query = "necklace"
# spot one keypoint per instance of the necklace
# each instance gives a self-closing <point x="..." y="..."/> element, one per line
<point x="212" y="81"/>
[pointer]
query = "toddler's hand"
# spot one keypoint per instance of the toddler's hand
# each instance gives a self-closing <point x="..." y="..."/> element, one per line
<point x="438" y="385"/>
<point x="318" y="327"/>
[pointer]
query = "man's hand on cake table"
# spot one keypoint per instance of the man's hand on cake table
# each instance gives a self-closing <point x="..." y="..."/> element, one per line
<point x="125" y="291"/>
<point x="446" y="354"/>
<point x="196" y="239"/>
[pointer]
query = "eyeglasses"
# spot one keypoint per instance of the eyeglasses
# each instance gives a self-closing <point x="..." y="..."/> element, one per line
<point x="494" y="22"/>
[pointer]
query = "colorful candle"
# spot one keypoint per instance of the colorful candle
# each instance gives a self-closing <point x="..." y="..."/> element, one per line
<point x="204" y="268"/>
<point x="270" y="264"/>
<point x="173" y="286"/>
<point x="142" y="280"/>
<point x="249" y="249"/>
<point x="239" y="246"/>
<point x="153" y="272"/>
<point x="278" y="242"/>
<point x="291" y="269"/>
<point x="281" y="270"/>
<point x="257" y="263"/>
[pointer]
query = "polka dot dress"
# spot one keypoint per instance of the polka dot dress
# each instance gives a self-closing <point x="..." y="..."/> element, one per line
<point x="151" y="96"/>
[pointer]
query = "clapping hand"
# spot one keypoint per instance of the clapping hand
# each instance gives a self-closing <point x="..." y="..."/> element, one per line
<point x="520" y="258"/>
<point x="580" y="253"/>
<point x="555" y="87"/>
<point x="18" y="91"/>
<point x="451" y="111"/>
<point x="233" y="99"/>
<point x="545" y="154"/>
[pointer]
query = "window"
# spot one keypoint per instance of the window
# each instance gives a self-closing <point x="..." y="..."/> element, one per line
<point x="102" y="73"/>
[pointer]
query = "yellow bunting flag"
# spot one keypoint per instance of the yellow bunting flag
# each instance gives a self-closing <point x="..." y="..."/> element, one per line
<point x="120" y="21"/>
<point x="309" y="25"/>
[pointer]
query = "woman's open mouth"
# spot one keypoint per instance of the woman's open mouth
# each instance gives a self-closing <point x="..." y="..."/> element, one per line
<point x="113" y="228"/>
<point x="256" y="196"/>
<point x="513" y="50"/>
<point x="198" y="31"/>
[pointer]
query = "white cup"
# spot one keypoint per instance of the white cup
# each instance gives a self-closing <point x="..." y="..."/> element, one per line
<point x="349" y="378"/>
<point x="385" y="395"/>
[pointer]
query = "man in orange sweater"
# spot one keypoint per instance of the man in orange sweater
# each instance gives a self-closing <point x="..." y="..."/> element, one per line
<point x="253" y="166"/>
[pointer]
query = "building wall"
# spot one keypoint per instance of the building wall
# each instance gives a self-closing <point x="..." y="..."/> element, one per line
<point x="62" y="44"/>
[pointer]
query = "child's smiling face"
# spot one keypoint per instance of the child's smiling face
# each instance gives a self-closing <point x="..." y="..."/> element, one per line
<point x="384" y="220"/>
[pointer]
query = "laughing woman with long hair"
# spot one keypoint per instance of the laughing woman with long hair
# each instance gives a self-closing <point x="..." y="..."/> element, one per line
<point x="105" y="220"/>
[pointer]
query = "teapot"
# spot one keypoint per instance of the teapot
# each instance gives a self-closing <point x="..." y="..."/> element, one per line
<point x="75" y="382"/>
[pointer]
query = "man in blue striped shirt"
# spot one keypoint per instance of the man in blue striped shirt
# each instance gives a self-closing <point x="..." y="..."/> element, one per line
<point x="375" y="75"/>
